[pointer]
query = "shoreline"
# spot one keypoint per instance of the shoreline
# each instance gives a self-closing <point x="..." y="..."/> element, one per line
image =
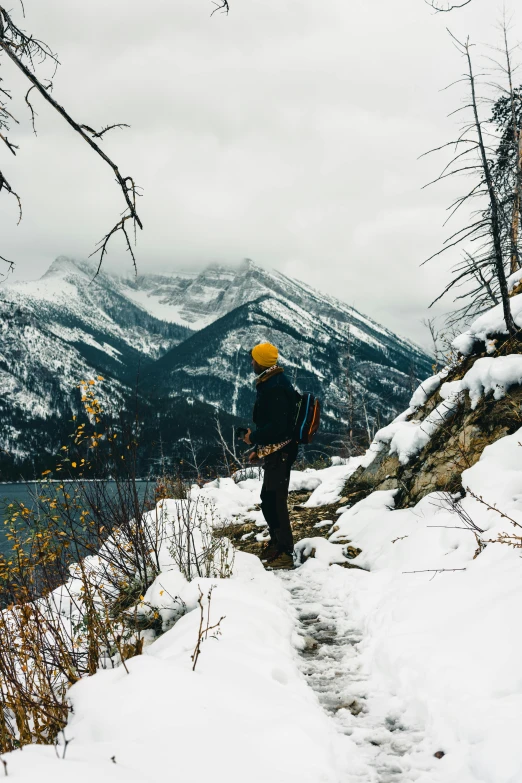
<point x="60" y="481"/>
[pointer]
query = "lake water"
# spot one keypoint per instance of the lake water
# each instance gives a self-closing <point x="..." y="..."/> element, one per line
<point x="23" y="493"/>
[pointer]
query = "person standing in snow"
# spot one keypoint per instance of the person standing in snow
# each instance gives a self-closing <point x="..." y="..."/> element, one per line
<point x="272" y="439"/>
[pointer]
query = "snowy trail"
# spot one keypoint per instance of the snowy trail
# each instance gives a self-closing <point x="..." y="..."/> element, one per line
<point x="389" y="752"/>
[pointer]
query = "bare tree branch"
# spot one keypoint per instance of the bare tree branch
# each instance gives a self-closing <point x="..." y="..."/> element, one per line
<point x="99" y="134"/>
<point x="31" y="109"/>
<point x="23" y="51"/>
<point x="4" y="184"/>
<point x="440" y="9"/>
<point x="221" y="6"/>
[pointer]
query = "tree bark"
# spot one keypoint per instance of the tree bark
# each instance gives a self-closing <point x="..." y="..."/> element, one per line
<point x="517" y="206"/>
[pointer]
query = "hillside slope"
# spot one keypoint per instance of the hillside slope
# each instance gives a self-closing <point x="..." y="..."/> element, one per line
<point x="451" y="418"/>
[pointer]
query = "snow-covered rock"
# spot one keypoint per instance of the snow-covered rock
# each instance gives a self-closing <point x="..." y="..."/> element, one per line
<point x="423" y="392"/>
<point x="487" y="326"/>
<point x="496" y="374"/>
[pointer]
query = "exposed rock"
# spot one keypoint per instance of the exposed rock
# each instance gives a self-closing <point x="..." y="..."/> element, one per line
<point x="382" y="469"/>
<point x="456" y="446"/>
<point x="351" y="565"/>
<point x="517" y="289"/>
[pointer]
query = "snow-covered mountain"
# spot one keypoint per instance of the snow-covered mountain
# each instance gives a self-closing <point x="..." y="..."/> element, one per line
<point x="81" y="307"/>
<point x="189" y="335"/>
<point x="197" y="300"/>
<point x="57" y="331"/>
<point x="213" y="365"/>
<point x="321" y="339"/>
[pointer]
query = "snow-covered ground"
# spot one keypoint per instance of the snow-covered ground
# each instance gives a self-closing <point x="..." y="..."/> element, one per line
<point x="442" y="644"/>
<point x="235" y="498"/>
<point x="245" y="714"/>
<point x="326" y="674"/>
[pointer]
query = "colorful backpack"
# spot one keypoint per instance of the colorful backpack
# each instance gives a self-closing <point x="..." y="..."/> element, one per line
<point x="308" y="417"/>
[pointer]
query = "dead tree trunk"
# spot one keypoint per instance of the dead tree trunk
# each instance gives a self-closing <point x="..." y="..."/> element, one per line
<point x="493" y="201"/>
<point x="517" y="144"/>
<point x="517" y="206"/>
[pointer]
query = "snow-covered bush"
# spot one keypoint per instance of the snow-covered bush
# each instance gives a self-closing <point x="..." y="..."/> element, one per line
<point x="78" y="601"/>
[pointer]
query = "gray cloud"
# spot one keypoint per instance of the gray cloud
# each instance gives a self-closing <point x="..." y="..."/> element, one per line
<point x="287" y="132"/>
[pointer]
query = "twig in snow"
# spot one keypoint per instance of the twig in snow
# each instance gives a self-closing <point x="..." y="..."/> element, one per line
<point x="433" y="570"/>
<point x="452" y="527"/>
<point x="66" y="743"/>
<point x="480" y="499"/>
<point x="4" y="762"/>
<point x="204" y="632"/>
<point x="453" y="504"/>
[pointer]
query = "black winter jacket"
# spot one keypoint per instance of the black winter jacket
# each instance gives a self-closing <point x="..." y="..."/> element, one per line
<point x="274" y="411"/>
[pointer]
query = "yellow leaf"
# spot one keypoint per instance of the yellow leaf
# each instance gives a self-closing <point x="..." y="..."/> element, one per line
<point x="100" y="378"/>
<point x="73" y="464"/>
<point x="46" y="472"/>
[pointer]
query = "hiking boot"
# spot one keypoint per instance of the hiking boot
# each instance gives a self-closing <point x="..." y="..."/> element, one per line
<point x="283" y="561"/>
<point x="269" y="552"/>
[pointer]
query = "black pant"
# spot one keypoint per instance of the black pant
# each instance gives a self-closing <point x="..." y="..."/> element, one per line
<point x="274" y="496"/>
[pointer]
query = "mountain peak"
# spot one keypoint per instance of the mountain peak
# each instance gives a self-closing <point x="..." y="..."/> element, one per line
<point x="247" y="265"/>
<point x="63" y="266"/>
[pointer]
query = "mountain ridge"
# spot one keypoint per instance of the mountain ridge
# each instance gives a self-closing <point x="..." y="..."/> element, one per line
<point x="214" y="363"/>
<point x="70" y="325"/>
<point x="252" y="277"/>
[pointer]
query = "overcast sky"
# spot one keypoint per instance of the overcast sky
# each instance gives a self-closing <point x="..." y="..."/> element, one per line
<point x="288" y="132"/>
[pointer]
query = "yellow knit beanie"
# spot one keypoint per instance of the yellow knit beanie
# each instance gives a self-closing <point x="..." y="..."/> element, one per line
<point x="265" y="354"/>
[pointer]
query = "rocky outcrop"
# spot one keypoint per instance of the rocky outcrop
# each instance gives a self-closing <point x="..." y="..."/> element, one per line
<point x="456" y="446"/>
